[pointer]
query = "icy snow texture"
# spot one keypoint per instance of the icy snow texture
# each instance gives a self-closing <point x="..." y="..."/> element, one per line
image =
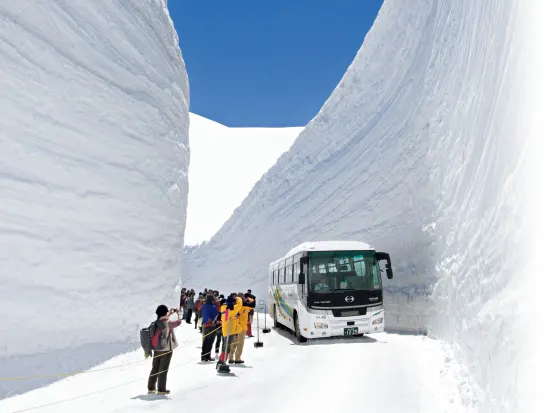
<point x="93" y="176"/>
<point x="243" y="154"/>
<point x="416" y="152"/>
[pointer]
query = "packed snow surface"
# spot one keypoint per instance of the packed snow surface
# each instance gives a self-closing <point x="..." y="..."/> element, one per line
<point x="418" y="153"/>
<point x="225" y="165"/>
<point x="93" y="178"/>
<point x="385" y="373"/>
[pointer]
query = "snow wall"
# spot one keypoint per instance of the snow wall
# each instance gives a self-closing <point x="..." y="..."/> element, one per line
<point x="216" y="147"/>
<point x="417" y="153"/>
<point x="94" y="118"/>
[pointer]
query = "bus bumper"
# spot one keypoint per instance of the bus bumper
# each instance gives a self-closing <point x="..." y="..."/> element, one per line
<point x="345" y="326"/>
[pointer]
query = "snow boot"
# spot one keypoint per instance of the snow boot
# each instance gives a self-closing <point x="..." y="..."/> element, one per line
<point x="151" y="391"/>
<point x="164" y="393"/>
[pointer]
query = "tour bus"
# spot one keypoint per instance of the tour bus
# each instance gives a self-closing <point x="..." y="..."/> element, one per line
<point x="328" y="288"/>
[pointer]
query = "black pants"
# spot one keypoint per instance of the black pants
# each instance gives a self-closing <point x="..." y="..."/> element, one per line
<point x="188" y="318"/>
<point x="161" y="363"/>
<point x="208" y="337"/>
<point x="218" y="340"/>
<point x="196" y="318"/>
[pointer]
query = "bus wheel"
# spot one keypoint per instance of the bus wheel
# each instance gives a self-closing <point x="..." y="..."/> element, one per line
<point x="299" y="337"/>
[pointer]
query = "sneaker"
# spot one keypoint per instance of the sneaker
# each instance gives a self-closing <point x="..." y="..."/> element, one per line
<point x="151" y="391"/>
<point x="239" y="361"/>
<point x="231" y="361"/>
<point x="164" y="392"/>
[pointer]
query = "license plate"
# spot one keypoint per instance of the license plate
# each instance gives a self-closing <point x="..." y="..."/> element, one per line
<point x="351" y="331"/>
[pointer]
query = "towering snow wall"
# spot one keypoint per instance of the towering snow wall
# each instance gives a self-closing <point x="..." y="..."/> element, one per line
<point x="94" y="155"/>
<point x="416" y="152"/>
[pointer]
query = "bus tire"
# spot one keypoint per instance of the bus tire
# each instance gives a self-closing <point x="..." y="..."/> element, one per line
<point x="299" y="337"/>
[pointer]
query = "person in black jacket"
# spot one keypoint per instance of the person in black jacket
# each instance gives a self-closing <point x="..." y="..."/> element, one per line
<point x="219" y="336"/>
<point x="251" y="312"/>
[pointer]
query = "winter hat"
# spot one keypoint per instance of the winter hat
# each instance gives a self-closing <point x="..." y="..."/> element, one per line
<point x="230" y="302"/>
<point x="162" y="310"/>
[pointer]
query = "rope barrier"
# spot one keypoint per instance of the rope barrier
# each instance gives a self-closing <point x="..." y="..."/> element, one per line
<point x="75" y="373"/>
<point x="123" y="384"/>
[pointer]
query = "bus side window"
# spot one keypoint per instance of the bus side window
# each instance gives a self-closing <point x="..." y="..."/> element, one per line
<point x="273" y="277"/>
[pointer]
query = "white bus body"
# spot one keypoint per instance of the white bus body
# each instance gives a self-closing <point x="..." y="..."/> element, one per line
<point x="328" y="289"/>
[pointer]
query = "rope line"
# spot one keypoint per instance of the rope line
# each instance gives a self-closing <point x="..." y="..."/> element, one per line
<point x="75" y="373"/>
<point x="123" y="384"/>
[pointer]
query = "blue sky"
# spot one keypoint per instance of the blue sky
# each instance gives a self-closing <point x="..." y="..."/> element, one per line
<point x="268" y="62"/>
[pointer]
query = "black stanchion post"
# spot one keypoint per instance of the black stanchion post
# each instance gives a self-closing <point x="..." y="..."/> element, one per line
<point x="265" y="330"/>
<point x="258" y="343"/>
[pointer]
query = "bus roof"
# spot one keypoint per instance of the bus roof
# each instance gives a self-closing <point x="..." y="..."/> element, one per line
<point x="330" y="246"/>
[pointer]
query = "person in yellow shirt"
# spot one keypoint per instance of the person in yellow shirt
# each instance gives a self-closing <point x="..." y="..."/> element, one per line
<point x="230" y="326"/>
<point x="235" y="353"/>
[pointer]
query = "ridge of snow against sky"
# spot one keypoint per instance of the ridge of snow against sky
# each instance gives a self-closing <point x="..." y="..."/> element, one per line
<point x="225" y="165"/>
<point x="93" y="178"/>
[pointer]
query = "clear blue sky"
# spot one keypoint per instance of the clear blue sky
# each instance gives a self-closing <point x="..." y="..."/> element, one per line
<point x="268" y="62"/>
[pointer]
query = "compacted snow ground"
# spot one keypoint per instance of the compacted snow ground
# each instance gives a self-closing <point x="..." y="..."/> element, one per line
<point x="387" y="372"/>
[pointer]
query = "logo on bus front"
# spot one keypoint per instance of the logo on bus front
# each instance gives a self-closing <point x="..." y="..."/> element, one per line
<point x="349" y="299"/>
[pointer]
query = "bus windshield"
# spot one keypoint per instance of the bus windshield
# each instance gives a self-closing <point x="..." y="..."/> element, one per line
<point x="330" y="271"/>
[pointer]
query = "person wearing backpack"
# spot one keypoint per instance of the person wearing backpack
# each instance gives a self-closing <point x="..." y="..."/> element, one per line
<point x="163" y="343"/>
<point x="209" y="315"/>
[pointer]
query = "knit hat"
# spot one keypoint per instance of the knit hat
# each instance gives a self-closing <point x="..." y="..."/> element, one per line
<point x="230" y="302"/>
<point x="162" y="310"/>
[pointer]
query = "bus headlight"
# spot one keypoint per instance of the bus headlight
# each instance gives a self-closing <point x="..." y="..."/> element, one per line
<point x="378" y="321"/>
<point x="320" y="325"/>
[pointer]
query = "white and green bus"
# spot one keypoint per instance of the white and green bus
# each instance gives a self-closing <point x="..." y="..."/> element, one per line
<point x="328" y="289"/>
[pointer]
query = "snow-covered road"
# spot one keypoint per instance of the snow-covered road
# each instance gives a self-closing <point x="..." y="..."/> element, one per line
<point x="386" y="372"/>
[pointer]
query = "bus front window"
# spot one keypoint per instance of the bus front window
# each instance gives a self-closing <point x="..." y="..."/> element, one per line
<point x="343" y="270"/>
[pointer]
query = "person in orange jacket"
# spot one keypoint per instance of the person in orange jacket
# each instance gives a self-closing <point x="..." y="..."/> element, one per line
<point x="230" y="326"/>
<point x="235" y="356"/>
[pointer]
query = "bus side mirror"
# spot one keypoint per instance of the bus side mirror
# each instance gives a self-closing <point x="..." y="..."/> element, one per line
<point x="384" y="256"/>
<point x="301" y="278"/>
